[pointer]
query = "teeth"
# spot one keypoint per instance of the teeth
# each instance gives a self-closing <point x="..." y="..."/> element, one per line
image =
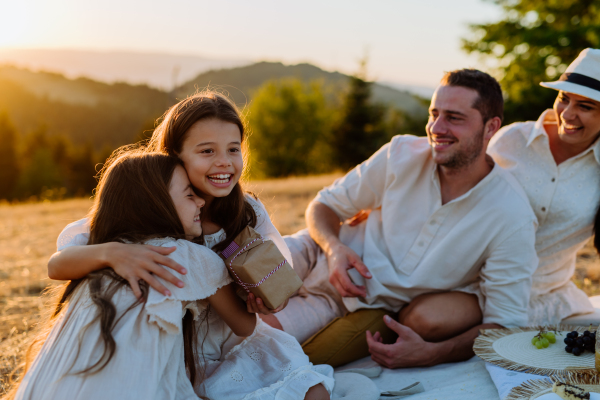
<point x="220" y="176"/>
<point x="571" y="126"/>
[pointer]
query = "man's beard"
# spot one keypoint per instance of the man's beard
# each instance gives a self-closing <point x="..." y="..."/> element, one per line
<point x="466" y="156"/>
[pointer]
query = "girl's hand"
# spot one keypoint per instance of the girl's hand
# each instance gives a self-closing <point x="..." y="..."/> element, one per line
<point x="256" y="305"/>
<point x="135" y="262"/>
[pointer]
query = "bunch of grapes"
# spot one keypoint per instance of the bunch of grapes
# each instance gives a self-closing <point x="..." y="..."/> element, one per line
<point x="578" y="344"/>
<point x="543" y="339"/>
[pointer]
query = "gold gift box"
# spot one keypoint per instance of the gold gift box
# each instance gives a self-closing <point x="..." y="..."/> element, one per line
<point x="258" y="267"/>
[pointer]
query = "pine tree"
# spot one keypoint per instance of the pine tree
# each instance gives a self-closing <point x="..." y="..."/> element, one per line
<point x="9" y="166"/>
<point x="361" y="130"/>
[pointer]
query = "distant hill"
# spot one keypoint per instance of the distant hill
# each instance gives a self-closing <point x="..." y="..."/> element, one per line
<point x="159" y="70"/>
<point x="82" y="109"/>
<point x="88" y="111"/>
<point x="241" y="82"/>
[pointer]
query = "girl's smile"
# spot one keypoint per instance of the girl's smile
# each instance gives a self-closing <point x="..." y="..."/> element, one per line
<point x="212" y="155"/>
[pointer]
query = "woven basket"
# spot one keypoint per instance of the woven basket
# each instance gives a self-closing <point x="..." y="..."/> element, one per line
<point x="512" y="349"/>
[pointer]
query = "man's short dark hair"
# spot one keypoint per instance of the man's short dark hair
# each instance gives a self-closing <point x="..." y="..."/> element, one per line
<point x="490" y="102"/>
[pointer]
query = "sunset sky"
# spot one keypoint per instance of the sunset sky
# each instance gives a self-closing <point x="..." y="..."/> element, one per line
<point x="406" y="41"/>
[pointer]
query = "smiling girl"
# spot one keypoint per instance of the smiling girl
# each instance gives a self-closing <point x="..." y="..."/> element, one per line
<point x="206" y="132"/>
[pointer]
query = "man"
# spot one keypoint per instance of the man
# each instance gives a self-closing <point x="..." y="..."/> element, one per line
<point x="449" y="245"/>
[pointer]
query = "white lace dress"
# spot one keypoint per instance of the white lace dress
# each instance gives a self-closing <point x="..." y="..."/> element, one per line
<point x="269" y="364"/>
<point x="148" y="362"/>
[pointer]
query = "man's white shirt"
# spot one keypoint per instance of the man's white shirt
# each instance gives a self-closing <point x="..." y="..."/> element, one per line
<point x="482" y="242"/>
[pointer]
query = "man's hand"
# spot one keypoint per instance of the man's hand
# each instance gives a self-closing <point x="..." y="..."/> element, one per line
<point x="340" y="259"/>
<point x="410" y="350"/>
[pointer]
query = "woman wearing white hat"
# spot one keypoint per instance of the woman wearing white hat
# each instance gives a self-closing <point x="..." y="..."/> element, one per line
<point x="557" y="161"/>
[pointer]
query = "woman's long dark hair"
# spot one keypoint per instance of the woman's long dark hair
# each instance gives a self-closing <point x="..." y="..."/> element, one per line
<point x="233" y="213"/>
<point x="132" y="204"/>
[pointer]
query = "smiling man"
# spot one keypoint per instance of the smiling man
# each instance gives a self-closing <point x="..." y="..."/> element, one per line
<point x="449" y="245"/>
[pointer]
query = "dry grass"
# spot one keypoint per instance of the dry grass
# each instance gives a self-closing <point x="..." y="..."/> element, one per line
<point x="28" y="235"/>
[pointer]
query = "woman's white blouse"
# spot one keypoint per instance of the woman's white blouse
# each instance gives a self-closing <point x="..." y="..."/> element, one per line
<point x="78" y="233"/>
<point x="565" y="200"/>
<point x="148" y="363"/>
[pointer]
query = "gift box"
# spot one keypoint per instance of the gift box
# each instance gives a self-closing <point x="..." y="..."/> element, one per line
<point x="257" y="266"/>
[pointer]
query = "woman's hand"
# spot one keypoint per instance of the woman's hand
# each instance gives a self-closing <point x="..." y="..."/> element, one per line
<point x="256" y="305"/>
<point x="135" y="262"/>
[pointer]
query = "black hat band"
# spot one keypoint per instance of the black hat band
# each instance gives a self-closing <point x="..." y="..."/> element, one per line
<point x="582" y="80"/>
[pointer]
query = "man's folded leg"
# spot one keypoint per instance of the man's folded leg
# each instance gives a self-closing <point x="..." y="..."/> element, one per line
<point x="343" y="340"/>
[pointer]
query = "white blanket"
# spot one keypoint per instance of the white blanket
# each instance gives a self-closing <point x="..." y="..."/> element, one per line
<point x="468" y="380"/>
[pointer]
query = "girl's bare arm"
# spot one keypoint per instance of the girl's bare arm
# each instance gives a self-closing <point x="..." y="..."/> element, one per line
<point x="132" y="262"/>
<point x="233" y="311"/>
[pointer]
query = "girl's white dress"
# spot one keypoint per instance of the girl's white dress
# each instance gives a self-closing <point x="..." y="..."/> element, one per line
<point x="148" y="362"/>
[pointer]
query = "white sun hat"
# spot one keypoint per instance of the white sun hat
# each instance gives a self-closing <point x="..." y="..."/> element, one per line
<point x="582" y="77"/>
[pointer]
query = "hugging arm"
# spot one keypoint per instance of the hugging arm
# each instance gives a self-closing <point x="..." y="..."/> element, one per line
<point x="233" y="311"/>
<point x="133" y="262"/>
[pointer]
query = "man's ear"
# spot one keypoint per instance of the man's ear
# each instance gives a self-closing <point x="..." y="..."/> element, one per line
<point x="491" y="127"/>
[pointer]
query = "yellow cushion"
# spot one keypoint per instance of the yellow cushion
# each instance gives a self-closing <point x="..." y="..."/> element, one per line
<point x="344" y="339"/>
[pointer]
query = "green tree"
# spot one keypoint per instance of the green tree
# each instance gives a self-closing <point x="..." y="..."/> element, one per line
<point x="9" y="166"/>
<point x="534" y="42"/>
<point x="82" y="174"/>
<point x="361" y="130"/>
<point x="40" y="174"/>
<point x="290" y="123"/>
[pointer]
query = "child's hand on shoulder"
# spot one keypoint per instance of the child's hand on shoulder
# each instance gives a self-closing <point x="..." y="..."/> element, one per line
<point x="255" y="305"/>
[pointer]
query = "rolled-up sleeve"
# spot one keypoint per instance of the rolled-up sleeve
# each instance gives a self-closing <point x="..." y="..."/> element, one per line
<point x="507" y="276"/>
<point x="360" y="189"/>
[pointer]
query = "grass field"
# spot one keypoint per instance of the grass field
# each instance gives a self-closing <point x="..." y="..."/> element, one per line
<point x="28" y="235"/>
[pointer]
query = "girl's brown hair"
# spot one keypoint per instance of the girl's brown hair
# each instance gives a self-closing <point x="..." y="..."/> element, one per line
<point x="233" y="213"/>
<point x="132" y="204"/>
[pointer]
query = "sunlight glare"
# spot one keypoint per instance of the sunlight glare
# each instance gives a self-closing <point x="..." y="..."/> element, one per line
<point x="14" y="23"/>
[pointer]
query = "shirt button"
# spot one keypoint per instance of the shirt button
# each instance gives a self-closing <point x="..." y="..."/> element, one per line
<point x="544" y="209"/>
<point x="421" y="243"/>
<point x="553" y="179"/>
<point x="432" y="222"/>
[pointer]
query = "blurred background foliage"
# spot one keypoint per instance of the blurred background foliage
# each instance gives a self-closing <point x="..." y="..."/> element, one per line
<point x="534" y="42"/>
<point x="302" y="119"/>
<point x="55" y="132"/>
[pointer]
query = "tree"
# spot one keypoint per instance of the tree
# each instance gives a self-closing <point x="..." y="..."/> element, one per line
<point x="82" y="179"/>
<point x="290" y="123"/>
<point x="361" y="130"/>
<point x="40" y="174"/>
<point x="9" y="166"/>
<point x="532" y="43"/>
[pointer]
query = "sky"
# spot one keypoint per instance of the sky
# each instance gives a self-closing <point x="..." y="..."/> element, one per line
<point x="406" y="41"/>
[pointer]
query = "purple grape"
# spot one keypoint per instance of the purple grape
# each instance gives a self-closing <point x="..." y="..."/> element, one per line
<point x="576" y="351"/>
<point x="569" y="349"/>
<point x="569" y="341"/>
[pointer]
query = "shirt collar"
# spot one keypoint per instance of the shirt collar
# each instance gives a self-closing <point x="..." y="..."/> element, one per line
<point x="549" y="117"/>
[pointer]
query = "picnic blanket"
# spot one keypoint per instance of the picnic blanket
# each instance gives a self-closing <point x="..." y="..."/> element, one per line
<point x="468" y="380"/>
